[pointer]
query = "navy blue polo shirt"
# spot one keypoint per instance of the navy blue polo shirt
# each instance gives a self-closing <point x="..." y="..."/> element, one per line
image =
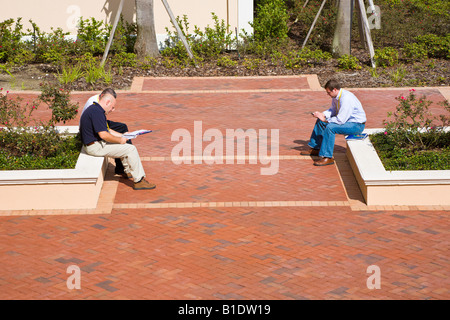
<point x="92" y="121"/>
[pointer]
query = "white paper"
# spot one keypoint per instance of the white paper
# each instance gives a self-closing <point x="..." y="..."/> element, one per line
<point x="134" y="134"/>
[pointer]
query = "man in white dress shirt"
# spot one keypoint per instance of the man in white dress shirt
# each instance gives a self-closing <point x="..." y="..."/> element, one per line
<point x="345" y="116"/>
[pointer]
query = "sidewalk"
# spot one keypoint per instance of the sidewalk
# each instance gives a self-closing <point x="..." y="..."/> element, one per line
<point x="224" y="231"/>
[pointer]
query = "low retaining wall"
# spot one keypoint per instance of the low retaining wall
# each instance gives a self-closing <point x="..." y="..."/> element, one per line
<point x="381" y="187"/>
<point x="77" y="188"/>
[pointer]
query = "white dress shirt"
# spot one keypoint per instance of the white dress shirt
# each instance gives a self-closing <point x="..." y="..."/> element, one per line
<point x="345" y="108"/>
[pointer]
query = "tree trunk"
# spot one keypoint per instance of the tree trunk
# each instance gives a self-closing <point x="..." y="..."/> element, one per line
<point x="341" y="40"/>
<point x="146" y="44"/>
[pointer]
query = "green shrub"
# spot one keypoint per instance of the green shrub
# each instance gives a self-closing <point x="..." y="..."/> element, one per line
<point x="124" y="59"/>
<point x="148" y="63"/>
<point x="252" y="63"/>
<point x="348" y="62"/>
<point x="50" y="47"/>
<point x="437" y="47"/>
<point x="413" y="140"/>
<point x="34" y="152"/>
<point x="173" y="45"/>
<point x="415" y="51"/>
<point x="395" y="158"/>
<point x="26" y="143"/>
<point x="124" y="36"/>
<point x="10" y="39"/>
<point x="58" y="101"/>
<point x="306" y="57"/>
<point x="410" y="117"/>
<point x="208" y="43"/>
<point x="14" y="112"/>
<point x="226" y="62"/>
<point x="212" y="41"/>
<point x="386" y="57"/>
<point x="92" y="35"/>
<point x="271" y="20"/>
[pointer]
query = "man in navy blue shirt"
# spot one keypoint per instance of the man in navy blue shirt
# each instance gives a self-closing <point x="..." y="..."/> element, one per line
<point x="116" y="126"/>
<point x="100" y="141"/>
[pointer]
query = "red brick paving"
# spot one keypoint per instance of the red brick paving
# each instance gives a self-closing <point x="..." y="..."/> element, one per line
<point x="296" y="250"/>
<point x="226" y="182"/>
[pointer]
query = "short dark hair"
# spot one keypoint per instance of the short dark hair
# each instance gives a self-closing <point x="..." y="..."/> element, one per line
<point x="109" y="91"/>
<point x="332" y="84"/>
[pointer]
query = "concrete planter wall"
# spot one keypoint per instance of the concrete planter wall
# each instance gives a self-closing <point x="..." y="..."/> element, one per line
<point x="77" y="188"/>
<point x="381" y="187"/>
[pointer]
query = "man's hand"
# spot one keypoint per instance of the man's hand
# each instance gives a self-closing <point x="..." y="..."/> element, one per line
<point x="320" y="116"/>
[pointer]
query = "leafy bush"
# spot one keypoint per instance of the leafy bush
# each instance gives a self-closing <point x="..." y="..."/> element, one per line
<point x="58" y="101"/>
<point x="52" y="47"/>
<point x="252" y="64"/>
<point x="29" y="151"/>
<point x="297" y="59"/>
<point x="15" y="113"/>
<point x="26" y="143"/>
<point x="10" y="39"/>
<point x="415" y="51"/>
<point x="212" y="41"/>
<point x="124" y="59"/>
<point x="93" y="35"/>
<point x="437" y="47"/>
<point x="348" y="62"/>
<point x="395" y="158"/>
<point x="124" y="37"/>
<point x="226" y="62"/>
<point x="208" y="43"/>
<point x="386" y="57"/>
<point x="271" y="20"/>
<point x="413" y="140"/>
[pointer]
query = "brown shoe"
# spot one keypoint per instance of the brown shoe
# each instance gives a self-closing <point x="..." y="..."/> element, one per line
<point x="310" y="152"/>
<point x="144" y="185"/>
<point x="324" y="162"/>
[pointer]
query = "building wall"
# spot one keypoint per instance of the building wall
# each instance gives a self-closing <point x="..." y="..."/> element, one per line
<point x="65" y="13"/>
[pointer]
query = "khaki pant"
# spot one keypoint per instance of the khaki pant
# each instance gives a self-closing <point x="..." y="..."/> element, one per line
<point x="127" y="152"/>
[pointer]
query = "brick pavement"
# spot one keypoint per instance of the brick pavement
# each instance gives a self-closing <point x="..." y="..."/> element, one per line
<point x="224" y="231"/>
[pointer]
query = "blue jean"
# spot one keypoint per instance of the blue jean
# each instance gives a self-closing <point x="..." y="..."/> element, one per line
<point x="324" y="135"/>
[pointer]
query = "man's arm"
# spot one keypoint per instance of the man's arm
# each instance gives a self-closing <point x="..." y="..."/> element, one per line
<point x="108" y="137"/>
<point x="115" y="133"/>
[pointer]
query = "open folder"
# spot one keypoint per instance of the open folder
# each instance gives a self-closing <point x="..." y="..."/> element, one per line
<point x="134" y="134"/>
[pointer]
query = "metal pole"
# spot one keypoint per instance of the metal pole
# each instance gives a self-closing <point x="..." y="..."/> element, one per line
<point x="177" y="27"/>
<point x="113" y="30"/>
<point x="367" y="32"/>
<point x="313" y="24"/>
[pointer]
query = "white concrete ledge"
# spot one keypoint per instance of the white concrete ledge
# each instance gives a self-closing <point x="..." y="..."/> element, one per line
<point x="77" y="188"/>
<point x="86" y="170"/>
<point x="381" y="187"/>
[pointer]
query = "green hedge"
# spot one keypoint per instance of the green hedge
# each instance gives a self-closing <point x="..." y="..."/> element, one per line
<point x="395" y="158"/>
